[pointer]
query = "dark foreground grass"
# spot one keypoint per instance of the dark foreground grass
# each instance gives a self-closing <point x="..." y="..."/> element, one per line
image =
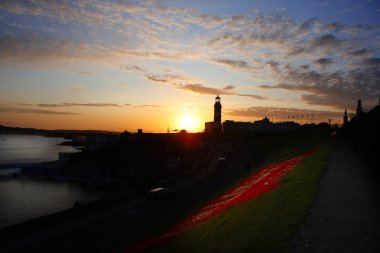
<point x="265" y="224"/>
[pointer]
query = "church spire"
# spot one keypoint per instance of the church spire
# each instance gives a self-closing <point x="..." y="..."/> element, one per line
<point x="345" y="118"/>
<point x="359" y="109"/>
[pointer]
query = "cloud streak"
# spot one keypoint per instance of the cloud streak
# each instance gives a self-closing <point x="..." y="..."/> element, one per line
<point x="324" y="62"/>
<point x="285" y="114"/>
<point x="35" y="111"/>
<point x="80" y="104"/>
<point x="335" y="89"/>
<point x="182" y="83"/>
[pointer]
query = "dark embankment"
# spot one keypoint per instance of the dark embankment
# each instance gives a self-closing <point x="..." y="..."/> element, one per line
<point x="363" y="132"/>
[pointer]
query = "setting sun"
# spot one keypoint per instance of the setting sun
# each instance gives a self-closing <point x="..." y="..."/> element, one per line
<point x="189" y="122"/>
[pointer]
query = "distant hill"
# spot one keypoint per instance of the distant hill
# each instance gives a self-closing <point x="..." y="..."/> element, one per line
<point x="56" y="133"/>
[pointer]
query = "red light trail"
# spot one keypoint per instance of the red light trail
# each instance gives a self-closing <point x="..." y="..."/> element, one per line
<point x="264" y="181"/>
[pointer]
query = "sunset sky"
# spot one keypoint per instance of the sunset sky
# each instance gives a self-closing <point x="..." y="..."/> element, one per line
<point x="123" y="65"/>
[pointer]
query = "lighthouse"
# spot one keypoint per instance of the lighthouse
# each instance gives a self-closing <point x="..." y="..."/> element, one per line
<point x="217" y="116"/>
<point x="215" y="127"/>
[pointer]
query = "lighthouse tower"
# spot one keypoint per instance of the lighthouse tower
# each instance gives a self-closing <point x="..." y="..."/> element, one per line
<point x="215" y="127"/>
<point x="217" y="116"/>
<point x="217" y="111"/>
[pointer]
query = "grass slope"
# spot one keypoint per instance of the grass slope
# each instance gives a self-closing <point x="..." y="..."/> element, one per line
<point x="265" y="224"/>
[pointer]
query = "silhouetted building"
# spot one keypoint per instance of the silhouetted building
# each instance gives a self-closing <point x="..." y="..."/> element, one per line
<point x="209" y="127"/>
<point x="359" y="109"/>
<point x="98" y="141"/>
<point x="126" y="137"/>
<point x="345" y="118"/>
<point x="230" y="126"/>
<point x="215" y="127"/>
<point x="264" y="125"/>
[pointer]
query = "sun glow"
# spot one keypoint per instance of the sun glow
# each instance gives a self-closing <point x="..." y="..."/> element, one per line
<point x="189" y="122"/>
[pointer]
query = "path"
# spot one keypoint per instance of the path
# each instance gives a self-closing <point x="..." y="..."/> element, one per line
<point x="345" y="215"/>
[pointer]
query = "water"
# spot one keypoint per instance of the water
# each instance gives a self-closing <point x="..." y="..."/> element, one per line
<point x="24" y="198"/>
<point x="10" y="172"/>
<point x="30" y="148"/>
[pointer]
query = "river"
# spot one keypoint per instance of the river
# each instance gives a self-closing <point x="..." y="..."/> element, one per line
<point x="24" y="198"/>
<point x="30" y="148"/>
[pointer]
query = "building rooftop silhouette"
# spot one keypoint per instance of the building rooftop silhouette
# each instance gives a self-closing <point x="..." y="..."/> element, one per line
<point x="230" y="126"/>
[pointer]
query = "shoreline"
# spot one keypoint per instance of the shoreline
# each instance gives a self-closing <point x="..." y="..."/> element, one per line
<point x="21" y="165"/>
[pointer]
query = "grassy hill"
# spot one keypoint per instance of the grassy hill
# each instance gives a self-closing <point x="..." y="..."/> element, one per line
<point x="267" y="223"/>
